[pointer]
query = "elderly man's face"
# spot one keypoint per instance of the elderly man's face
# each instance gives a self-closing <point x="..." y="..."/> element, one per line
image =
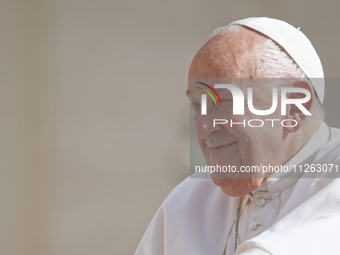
<point x="230" y="56"/>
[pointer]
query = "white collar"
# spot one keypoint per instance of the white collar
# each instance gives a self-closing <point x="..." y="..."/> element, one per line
<point x="279" y="181"/>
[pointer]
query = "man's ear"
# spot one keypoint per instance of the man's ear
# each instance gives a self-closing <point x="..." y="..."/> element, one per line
<point x="293" y="111"/>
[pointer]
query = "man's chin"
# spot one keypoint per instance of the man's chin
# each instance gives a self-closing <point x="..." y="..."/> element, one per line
<point x="223" y="181"/>
<point x="236" y="187"/>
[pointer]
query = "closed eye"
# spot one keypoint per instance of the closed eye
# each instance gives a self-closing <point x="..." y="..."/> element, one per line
<point x="195" y="105"/>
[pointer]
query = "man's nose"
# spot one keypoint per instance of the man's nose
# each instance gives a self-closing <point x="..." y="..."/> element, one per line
<point x="204" y="125"/>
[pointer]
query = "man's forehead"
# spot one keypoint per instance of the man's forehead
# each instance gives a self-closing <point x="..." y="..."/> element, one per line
<point x="226" y="55"/>
<point x="198" y="86"/>
<point x="242" y="83"/>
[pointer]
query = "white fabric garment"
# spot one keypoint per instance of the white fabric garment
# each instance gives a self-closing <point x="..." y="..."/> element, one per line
<point x="284" y="216"/>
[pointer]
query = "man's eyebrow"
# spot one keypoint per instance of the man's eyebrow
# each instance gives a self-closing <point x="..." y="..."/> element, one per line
<point x="224" y="92"/>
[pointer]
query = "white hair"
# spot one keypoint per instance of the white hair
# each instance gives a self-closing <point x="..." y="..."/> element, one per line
<point x="271" y="59"/>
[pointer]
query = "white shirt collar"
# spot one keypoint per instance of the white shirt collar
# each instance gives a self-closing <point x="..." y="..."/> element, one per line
<point x="279" y="181"/>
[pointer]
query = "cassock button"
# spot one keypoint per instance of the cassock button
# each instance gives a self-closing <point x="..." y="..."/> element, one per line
<point x="253" y="226"/>
<point x="260" y="202"/>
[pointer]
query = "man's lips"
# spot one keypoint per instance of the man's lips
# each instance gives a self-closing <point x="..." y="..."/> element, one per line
<point x="220" y="146"/>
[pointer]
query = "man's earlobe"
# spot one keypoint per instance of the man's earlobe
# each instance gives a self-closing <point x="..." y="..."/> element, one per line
<point x="300" y="111"/>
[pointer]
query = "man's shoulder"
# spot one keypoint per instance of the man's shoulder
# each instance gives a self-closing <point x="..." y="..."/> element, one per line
<point x="191" y="220"/>
<point x="335" y="135"/>
<point x="329" y="152"/>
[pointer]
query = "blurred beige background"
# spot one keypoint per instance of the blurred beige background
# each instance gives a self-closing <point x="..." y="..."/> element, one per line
<point x="93" y="114"/>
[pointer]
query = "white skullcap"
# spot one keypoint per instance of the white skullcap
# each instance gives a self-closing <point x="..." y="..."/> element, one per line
<point x="295" y="43"/>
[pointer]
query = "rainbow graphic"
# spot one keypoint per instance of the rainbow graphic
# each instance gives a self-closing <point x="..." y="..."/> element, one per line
<point x="208" y="92"/>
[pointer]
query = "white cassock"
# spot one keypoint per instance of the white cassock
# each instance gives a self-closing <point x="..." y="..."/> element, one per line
<point x="284" y="216"/>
